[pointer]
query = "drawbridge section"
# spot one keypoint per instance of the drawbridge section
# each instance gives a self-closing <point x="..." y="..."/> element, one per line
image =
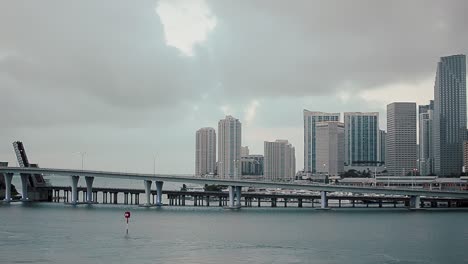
<point x="33" y="180"/>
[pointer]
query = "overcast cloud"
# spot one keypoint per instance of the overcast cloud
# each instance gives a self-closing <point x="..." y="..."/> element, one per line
<point x="125" y="81"/>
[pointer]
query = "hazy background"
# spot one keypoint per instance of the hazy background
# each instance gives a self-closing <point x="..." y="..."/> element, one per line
<point x="125" y="81"/>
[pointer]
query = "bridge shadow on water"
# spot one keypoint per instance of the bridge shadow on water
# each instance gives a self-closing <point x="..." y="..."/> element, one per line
<point x="167" y="210"/>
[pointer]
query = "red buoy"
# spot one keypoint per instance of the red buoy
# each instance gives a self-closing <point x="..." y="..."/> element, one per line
<point x="127" y="215"/>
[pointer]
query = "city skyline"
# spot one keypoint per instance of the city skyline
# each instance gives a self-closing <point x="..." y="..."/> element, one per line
<point x="110" y="94"/>
<point x="220" y="131"/>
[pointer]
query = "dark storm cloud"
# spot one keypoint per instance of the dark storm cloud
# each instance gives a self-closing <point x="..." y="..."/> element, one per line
<point x="98" y="74"/>
<point x="111" y="50"/>
<point x="314" y="47"/>
<point x="115" y="50"/>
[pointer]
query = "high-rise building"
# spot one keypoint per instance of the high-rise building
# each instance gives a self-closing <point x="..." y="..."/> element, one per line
<point x="205" y="151"/>
<point x="310" y="119"/>
<point x="229" y="147"/>
<point x="426" y="146"/>
<point x="252" y="165"/>
<point x="330" y="147"/>
<point x="465" y="156"/>
<point x="280" y="160"/>
<point x="361" y="138"/>
<point x="382" y="146"/>
<point x="449" y="115"/>
<point x="400" y="156"/>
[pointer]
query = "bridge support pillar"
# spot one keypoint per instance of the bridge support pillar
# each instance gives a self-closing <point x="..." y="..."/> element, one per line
<point x="148" y="192"/>
<point x="8" y="177"/>
<point x="159" y="185"/>
<point x="231" y="196"/>
<point x="24" y="187"/>
<point x="415" y="202"/>
<point x="238" y="196"/>
<point x="74" y="195"/>
<point x="323" y="200"/>
<point x="89" y="189"/>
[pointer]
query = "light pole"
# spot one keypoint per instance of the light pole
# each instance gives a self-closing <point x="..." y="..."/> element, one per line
<point x="154" y="165"/>
<point x="82" y="159"/>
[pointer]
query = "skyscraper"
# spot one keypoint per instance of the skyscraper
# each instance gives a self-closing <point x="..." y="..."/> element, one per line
<point x="330" y="147"/>
<point x="361" y="138"/>
<point x="382" y="146"/>
<point x="449" y="115"/>
<point x="465" y="156"/>
<point x="426" y="146"/>
<point x="229" y="148"/>
<point x="280" y="160"/>
<point x="310" y="119"/>
<point x="401" y="138"/>
<point x="205" y="151"/>
<point x="252" y="165"/>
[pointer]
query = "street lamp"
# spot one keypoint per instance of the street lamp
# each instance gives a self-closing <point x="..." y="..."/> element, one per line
<point x="154" y="165"/>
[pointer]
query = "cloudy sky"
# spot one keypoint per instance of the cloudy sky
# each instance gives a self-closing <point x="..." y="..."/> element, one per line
<point x="127" y="81"/>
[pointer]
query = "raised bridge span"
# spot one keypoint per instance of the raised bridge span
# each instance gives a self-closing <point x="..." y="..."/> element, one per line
<point x="234" y="185"/>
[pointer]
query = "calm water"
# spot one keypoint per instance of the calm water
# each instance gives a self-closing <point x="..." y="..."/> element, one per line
<point x="57" y="233"/>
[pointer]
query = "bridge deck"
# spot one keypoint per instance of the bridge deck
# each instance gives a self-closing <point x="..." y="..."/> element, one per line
<point x="235" y="182"/>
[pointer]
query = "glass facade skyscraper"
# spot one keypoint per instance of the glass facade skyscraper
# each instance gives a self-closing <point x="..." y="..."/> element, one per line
<point x="382" y="146"/>
<point x="449" y="115"/>
<point x="426" y="146"/>
<point x="361" y="138"/>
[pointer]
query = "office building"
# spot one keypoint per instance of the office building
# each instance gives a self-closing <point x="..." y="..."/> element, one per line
<point x="252" y="165"/>
<point x="400" y="156"/>
<point x="449" y="115"/>
<point x="280" y="160"/>
<point x="310" y="119"/>
<point x="330" y="147"/>
<point x="426" y="146"/>
<point x="205" y="151"/>
<point x="229" y="148"/>
<point x="465" y="156"/>
<point x="382" y="147"/>
<point x="361" y="138"/>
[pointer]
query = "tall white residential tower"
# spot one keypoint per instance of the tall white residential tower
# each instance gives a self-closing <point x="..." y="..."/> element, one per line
<point x="205" y="151"/>
<point x="310" y="119"/>
<point x="279" y="161"/>
<point x="229" y="148"/>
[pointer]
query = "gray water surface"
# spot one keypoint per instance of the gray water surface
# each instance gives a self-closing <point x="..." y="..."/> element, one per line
<point x="58" y="233"/>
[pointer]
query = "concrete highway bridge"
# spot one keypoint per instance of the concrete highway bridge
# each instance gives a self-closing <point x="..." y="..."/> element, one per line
<point x="234" y="186"/>
<point x="131" y="196"/>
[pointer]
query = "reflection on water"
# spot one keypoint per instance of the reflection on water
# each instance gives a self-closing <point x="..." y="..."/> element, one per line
<point x="56" y="233"/>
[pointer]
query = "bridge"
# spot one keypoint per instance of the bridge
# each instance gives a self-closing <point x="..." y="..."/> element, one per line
<point x="234" y="185"/>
